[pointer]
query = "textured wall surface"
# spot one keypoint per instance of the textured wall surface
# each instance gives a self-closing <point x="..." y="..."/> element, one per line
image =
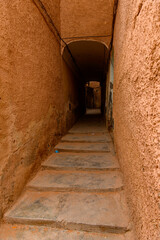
<point x="32" y="114"/>
<point x="53" y="9"/>
<point x="86" y="18"/>
<point x="30" y="79"/>
<point x="136" y="106"/>
<point x="73" y="93"/>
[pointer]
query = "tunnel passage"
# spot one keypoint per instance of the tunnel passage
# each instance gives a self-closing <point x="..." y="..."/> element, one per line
<point x="88" y="60"/>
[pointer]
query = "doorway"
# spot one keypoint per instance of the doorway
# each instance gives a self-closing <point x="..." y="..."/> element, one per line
<point x="93" y="95"/>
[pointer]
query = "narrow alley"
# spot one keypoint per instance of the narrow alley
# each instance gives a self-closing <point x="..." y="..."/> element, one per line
<point x="79" y="188"/>
<point x="79" y="119"/>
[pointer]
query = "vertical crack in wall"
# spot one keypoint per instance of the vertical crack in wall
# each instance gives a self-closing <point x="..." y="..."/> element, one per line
<point x="54" y="30"/>
<point x="113" y="22"/>
<point x="138" y="13"/>
<point x="47" y="19"/>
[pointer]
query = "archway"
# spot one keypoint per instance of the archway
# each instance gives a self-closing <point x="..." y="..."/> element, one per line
<point x="88" y="59"/>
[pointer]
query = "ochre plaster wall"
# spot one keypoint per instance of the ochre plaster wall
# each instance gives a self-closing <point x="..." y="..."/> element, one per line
<point x="32" y="114"/>
<point x="136" y="104"/>
<point x="86" y="18"/>
<point x="73" y="95"/>
<point x="53" y="9"/>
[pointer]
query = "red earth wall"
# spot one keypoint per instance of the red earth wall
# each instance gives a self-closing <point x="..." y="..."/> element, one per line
<point x="136" y="105"/>
<point x="32" y="90"/>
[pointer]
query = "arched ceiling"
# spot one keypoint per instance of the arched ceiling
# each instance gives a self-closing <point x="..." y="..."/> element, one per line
<point x="89" y="58"/>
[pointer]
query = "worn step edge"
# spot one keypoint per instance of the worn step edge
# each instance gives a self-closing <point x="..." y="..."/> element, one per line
<point x="87" y="132"/>
<point x="83" y="141"/>
<point x="10" y="229"/>
<point x="80" y="151"/>
<point x="47" y="167"/>
<point x="68" y="225"/>
<point x="73" y="189"/>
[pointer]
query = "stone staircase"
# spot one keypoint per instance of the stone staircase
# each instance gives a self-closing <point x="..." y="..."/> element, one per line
<point x="78" y="194"/>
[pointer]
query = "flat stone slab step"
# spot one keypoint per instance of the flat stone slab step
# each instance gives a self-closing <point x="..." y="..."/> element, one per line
<point x="81" y="161"/>
<point x="87" y="138"/>
<point x="72" y="211"/>
<point x="49" y="180"/>
<point x="21" y="232"/>
<point x="83" y="128"/>
<point x="89" y="124"/>
<point x="82" y="147"/>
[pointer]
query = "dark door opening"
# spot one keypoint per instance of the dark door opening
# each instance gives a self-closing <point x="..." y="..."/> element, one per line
<point x="93" y="95"/>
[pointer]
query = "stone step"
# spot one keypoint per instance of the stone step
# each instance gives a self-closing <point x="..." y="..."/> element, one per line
<point x="22" y="232"/>
<point x="89" y="124"/>
<point x="86" y="138"/>
<point x="72" y="211"/>
<point x="81" y="161"/>
<point x="88" y="129"/>
<point x="82" y="147"/>
<point x="49" y="180"/>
